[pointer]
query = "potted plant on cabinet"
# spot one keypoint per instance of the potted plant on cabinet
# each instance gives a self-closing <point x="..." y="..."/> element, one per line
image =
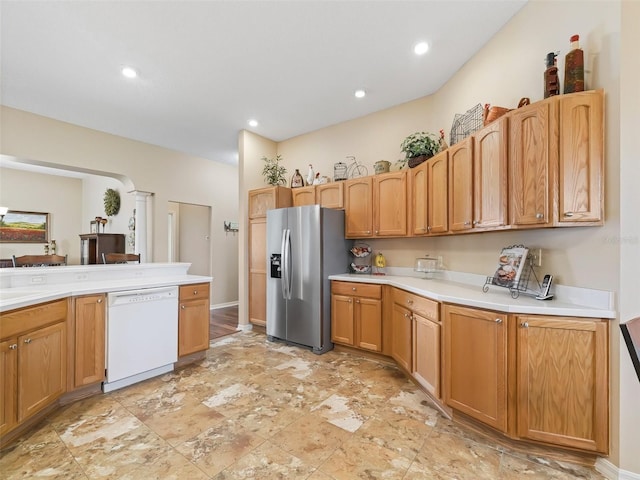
<point x="419" y="147"/>
<point x="273" y="172"/>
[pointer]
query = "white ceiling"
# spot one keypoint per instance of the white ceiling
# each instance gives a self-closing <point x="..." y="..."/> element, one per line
<point x="206" y="67"/>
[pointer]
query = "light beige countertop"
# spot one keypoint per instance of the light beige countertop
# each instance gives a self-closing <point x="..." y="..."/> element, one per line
<point x="22" y="287"/>
<point x="466" y="289"/>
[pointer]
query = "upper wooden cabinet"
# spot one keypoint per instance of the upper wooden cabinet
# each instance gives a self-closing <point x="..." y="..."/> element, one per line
<point x="461" y="186"/>
<point x="358" y="206"/>
<point x="532" y="152"/>
<point x="581" y="159"/>
<point x="437" y="193"/>
<point x="390" y="204"/>
<point x="268" y="198"/>
<point x="418" y="220"/>
<point x="490" y="180"/>
<point x="330" y="195"/>
<point x="303" y="196"/>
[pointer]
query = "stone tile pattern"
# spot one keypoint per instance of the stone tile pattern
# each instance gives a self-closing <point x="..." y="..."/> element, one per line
<point x="257" y="409"/>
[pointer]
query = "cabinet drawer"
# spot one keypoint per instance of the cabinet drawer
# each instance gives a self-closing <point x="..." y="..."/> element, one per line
<point x="417" y="304"/>
<point x="193" y="292"/>
<point x="357" y="289"/>
<point x="30" y="318"/>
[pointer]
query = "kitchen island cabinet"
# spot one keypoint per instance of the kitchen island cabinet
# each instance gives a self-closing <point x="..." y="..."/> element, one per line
<point x="193" y="319"/>
<point x="87" y="331"/>
<point x="33" y="361"/>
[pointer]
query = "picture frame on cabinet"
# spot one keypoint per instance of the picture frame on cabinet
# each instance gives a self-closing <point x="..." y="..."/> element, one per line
<point x="24" y="227"/>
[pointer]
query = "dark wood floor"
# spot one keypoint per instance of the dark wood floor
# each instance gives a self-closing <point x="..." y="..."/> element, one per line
<point x="223" y="321"/>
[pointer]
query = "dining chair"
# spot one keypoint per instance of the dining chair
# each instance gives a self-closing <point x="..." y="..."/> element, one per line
<point x="39" y="260"/>
<point x="120" y="258"/>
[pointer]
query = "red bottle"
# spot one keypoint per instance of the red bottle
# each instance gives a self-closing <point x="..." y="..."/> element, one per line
<point x="574" y="68"/>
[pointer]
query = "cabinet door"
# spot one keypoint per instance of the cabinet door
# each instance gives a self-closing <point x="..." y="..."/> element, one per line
<point x="563" y="381"/>
<point x="268" y="198"/>
<point x="390" y="204"/>
<point x="89" y="362"/>
<point x="369" y="324"/>
<point x="461" y="186"/>
<point x="418" y="209"/>
<point x="303" y="196"/>
<point x="330" y="195"/>
<point x="426" y="354"/>
<point x="437" y="193"/>
<point x="193" y="326"/>
<point x="401" y="325"/>
<point x="258" y="271"/>
<point x="8" y="383"/>
<point x="490" y="175"/>
<point x="342" y="324"/>
<point x="581" y="158"/>
<point x="41" y="369"/>
<point x="530" y="155"/>
<point x="475" y="356"/>
<point x="358" y="205"/>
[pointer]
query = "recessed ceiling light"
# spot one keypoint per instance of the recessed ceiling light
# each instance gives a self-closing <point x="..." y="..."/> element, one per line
<point x="253" y="123"/>
<point x="129" y="72"/>
<point x="360" y="93"/>
<point x="421" y="48"/>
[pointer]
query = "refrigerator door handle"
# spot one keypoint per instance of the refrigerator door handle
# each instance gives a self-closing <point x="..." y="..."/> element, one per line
<point x="283" y="265"/>
<point x="286" y="256"/>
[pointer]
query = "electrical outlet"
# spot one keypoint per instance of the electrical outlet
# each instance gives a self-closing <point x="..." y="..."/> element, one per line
<point x="536" y="254"/>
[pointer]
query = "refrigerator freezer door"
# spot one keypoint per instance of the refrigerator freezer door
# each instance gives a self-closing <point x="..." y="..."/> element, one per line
<point x="304" y="274"/>
<point x="276" y="302"/>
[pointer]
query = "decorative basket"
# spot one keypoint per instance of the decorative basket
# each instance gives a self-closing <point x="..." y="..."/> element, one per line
<point x="493" y="113"/>
<point x="415" y="161"/>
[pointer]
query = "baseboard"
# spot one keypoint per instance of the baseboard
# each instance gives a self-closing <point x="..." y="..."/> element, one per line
<point x="223" y="305"/>
<point x="609" y="470"/>
<point x="245" y="328"/>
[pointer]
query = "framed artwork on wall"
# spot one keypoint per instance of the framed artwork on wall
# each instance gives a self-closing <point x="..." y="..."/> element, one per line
<point x="24" y="227"/>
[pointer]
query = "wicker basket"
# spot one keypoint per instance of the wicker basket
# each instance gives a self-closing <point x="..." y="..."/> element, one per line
<point x="415" y="161"/>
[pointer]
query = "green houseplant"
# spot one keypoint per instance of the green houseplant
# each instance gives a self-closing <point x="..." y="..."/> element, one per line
<point x="273" y="172"/>
<point x="419" y="146"/>
<point x="111" y="202"/>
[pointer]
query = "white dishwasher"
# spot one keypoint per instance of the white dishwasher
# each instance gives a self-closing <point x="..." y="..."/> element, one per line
<point x="142" y="335"/>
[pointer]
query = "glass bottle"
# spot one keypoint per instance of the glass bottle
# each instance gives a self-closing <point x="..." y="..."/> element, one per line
<point x="53" y="247"/>
<point x="551" y="81"/>
<point x="297" y="180"/>
<point x="574" y="67"/>
<point x="310" y="176"/>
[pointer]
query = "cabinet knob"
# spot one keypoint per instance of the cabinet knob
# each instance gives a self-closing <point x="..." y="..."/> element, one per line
<point x="27" y="340"/>
<point x="409" y="302"/>
<point x="13" y="346"/>
<point x="475" y="222"/>
<point x="182" y="307"/>
<point x="429" y="228"/>
<point x="99" y="300"/>
<point x="467" y="223"/>
<point x="539" y="216"/>
<point x="524" y="324"/>
<point x="498" y="320"/>
<point x="350" y="300"/>
<point x="406" y="315"/>
<point x="357" y="301"/>
<point x="568" y="214"/>
<point x="195" y="292"/>
<point x="368" y="232"/>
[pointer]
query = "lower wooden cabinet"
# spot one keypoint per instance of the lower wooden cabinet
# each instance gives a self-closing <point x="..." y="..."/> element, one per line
<point x="426" y="354"/>
<point x="193" y="319"/>
<point x="32" y="361"/>
<point x="89" y="331"/>
<point x="562" y="381"/>
<point x="475" y="364"/>
<point x="401" y="326"/>
<point x="356" y="315"/>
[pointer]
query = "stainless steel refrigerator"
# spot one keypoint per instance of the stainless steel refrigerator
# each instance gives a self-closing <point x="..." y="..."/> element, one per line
<point x="304" y="246"/>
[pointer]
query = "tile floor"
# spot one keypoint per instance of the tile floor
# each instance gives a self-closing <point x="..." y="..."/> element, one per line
<point x="255" y="409"/>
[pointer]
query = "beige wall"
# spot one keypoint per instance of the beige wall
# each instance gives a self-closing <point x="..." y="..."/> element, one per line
<point x="629" y="411"/>
<point x="61" y="197"/>
<point x="169" y="175"/>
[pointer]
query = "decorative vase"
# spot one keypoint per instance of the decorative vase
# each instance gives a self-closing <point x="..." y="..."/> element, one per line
<point x="415" y="161"/>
